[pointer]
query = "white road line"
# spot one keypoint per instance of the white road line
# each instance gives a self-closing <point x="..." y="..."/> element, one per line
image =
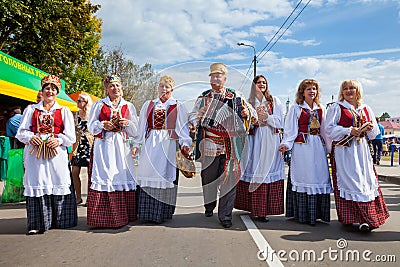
<point x="271" y="258"/>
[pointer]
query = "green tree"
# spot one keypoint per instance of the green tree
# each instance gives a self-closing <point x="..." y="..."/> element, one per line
<point x="58" y="36"/>
<point x="384" y="116"/>
<point x="138" y="82"/>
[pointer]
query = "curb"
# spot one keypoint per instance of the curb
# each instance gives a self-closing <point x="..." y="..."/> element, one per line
<point x="389" y="179"/>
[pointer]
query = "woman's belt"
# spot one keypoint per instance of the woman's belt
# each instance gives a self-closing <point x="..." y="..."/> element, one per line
<point x="302" y="137"/>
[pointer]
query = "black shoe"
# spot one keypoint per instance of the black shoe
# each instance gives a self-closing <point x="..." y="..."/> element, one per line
<point x="377" y="162"/>
<point x="226" y="223"/>
<point x="208" y="213"/>
<point x="263" y="219"/>
<point x="364" y="227"/>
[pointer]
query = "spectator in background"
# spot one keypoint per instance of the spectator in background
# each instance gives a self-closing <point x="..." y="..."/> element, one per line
<point x="377" y="143"/>
<point x="14" y="121"/>
<point x="385" y="149"/>
<point x="12" y="126"/>
<point x="84" y="142"/>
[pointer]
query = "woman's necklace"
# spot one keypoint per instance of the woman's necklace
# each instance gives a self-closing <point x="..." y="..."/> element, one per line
<point x="115" y="105"/>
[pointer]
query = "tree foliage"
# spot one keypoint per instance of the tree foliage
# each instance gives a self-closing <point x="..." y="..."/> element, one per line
<point x="138" y="82"/>
<point x="384" y="116"/>
<point x="58" y="36"/>
<point x="62" y="37"/>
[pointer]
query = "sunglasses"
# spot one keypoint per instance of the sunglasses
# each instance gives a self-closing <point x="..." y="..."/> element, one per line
<point x="79" y="101"/>
<point x="263" y="82"/>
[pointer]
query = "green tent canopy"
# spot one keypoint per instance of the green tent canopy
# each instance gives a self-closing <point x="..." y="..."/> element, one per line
<point x="20" y="80"/>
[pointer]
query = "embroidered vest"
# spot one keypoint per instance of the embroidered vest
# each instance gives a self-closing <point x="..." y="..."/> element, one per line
<point x="304" y="126"/>
<point x="348" y="118"/>
<point x="106" y="115"/>
<point x="162" y="120"/>
<point x="49" y="123"/>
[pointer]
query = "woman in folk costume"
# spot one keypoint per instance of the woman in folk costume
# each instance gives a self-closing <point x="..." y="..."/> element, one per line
<point x="111" y="195"/>
<point x="260" y="189"/>
<point x="163" y="124"/>
<point x="83" y="145"/>
<point x="358" y="197"/>
<point x="309" y="185"/>
<point x="47" y="129"/>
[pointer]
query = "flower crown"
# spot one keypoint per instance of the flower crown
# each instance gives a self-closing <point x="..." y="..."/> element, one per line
<point x="110" y="79"/>
<point x="51" y="79"/>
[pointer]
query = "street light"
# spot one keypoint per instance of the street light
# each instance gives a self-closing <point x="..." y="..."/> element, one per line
<point x="254" y="58"/>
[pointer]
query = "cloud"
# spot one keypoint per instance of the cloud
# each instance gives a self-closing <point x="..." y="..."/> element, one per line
<point x="360" y="53"/>
<point x="379" y="78"/>
<point x="310" y="42"/>
<point x="163" y="33"/>
<point x="197" y="32"/>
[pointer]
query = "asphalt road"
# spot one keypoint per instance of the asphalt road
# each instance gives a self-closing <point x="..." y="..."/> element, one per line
<point x="191" y="239"/>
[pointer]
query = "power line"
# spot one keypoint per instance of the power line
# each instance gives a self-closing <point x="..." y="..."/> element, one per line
<point x="245" y="76"/>
<point x="284" y="30"/>
<point x="280" y="27"/>
<point x="295" y="8"/>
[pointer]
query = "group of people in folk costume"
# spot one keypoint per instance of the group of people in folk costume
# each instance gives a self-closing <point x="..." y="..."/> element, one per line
<point x="238" y="142"/>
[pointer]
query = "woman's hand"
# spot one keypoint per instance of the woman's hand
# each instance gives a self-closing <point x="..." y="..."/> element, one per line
<point x="123" y="122"/>
<point x="355" y="131"/>
<point x="135" y="150"/>
<point x="35" y="140"/>
<point x="282" y="148"/>
<point x="108" y="125"/>
<point x="369" y="127"/>
<point x="262" y="114"/>
<point x="52" y="142"/>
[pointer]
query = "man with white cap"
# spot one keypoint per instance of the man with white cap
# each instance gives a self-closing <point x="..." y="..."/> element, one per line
<point x="221" y="116"/>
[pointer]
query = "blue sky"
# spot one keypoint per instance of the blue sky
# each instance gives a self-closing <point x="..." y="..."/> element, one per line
<point x="330" y="41"/>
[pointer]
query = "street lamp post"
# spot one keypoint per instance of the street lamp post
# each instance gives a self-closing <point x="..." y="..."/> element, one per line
<point x="254" y="58"/>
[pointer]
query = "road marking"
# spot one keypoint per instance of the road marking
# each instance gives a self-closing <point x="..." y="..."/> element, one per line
<point x="262" y="244"/>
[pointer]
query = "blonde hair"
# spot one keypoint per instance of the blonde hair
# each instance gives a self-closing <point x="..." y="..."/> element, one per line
<point x="168" y="80"/>
<point x="302" y="86"/>
<point x="88" y="105"/>
<point x="354" y="83"/>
